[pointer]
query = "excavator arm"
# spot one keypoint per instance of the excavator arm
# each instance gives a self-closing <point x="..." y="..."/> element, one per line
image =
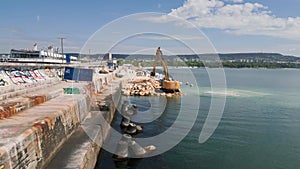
<point x="159" y="54"/>
<point x="155" y="62"/>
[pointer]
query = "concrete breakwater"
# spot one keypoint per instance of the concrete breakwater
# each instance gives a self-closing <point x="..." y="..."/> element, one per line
<point x="50" y="133"/>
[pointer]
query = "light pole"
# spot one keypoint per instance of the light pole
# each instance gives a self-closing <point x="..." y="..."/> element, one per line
<point x="62" y="48"/>
<point x="62" y="54"/>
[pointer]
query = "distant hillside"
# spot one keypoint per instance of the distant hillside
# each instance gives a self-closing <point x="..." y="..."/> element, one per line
<point x="257" y="57"/>
<point x="232" y="57"/>
<point x="260" y="56"/>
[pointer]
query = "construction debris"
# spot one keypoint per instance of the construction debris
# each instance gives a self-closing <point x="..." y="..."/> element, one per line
<point x="144" y="86"/>
<point x="140" y="86"/>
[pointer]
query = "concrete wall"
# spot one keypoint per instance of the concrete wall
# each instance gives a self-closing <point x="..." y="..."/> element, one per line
<point x="32" y="138"/>
<point x="35" y="135"/>
<point x="109" y="105"/>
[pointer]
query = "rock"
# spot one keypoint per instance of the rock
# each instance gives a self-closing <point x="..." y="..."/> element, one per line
<point x="150" y="148"/>
<point x="144" y="86"/>
<point x="125" y="92"/>
<point x="140" y="86"/>
<point x="169" y="94"/>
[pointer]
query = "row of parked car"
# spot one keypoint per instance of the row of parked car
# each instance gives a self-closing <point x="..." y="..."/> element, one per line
<point x="17" y="77"/>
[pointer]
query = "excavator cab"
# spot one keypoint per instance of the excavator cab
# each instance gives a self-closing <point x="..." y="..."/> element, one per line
<point x="152" y="74"/>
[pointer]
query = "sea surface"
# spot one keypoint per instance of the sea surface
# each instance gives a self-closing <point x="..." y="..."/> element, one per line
<point x="259" y="127"/>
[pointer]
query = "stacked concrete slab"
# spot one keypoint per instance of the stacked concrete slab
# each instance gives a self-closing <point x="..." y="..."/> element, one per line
<point x="32" y="136"/>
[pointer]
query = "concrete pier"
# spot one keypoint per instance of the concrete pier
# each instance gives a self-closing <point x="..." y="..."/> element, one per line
<point x="48" y="131"/>
<point x="82" y="148"/>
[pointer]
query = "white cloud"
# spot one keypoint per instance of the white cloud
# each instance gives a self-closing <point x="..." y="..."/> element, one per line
<point x="236" y="18"/>
<point x="171" y="37"/>
<point x="235" y="1"/>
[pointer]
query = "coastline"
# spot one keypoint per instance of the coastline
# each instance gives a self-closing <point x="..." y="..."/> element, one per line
<point x="186" y="67"/>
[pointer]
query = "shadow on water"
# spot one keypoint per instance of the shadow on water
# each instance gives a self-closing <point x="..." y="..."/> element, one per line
<point x="157" y="126"/>
<point x="105" y="161"/>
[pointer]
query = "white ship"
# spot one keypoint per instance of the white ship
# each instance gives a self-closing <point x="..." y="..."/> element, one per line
<point x="39" y="56"/>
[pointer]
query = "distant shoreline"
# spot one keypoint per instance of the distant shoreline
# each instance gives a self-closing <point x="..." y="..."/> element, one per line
<point x="238" y="65"/>
<point x="174" y="67"/>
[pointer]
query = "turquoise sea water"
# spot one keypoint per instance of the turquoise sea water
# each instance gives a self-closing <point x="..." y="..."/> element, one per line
<point x="260" y="126"/>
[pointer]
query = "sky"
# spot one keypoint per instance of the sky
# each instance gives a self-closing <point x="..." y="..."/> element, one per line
<point x="139" y="26"/>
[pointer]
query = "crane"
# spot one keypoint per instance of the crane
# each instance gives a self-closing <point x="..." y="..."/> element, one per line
<point x="169" y="86"/>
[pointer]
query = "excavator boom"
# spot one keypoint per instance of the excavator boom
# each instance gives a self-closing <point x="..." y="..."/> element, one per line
<point x="155" y="62"/>
<point x="159" y="55"/>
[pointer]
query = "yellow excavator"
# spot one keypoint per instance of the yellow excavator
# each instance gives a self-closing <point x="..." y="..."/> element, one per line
<point x="168" y="86"/>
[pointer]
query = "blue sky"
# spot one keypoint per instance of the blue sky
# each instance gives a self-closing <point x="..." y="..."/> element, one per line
<point x="230" y="25"/>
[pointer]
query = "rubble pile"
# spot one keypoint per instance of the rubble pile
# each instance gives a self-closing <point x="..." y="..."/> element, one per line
<point x="140" y="86"/>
